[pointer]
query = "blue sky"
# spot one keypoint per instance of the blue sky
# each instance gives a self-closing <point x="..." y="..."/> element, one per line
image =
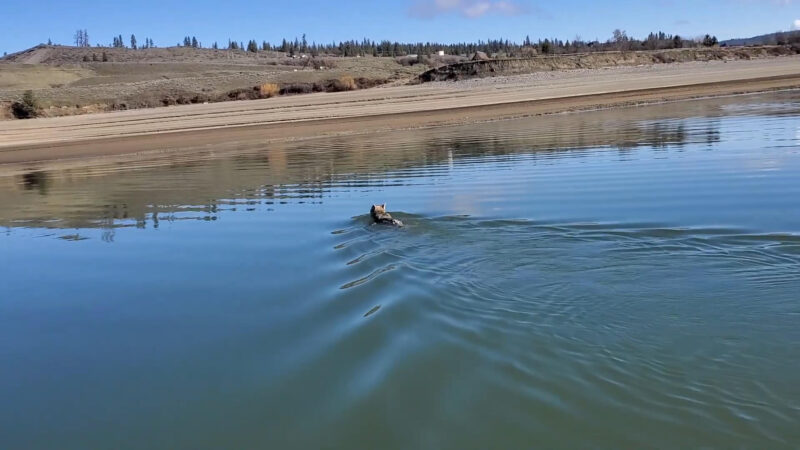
<point x="25" y="24"/>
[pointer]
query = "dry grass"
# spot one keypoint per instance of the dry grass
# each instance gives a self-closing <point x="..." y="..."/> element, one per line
<point x="156" y="77"/>
<point x="268" y="90"/>
<point x="345" y="83"/>
<point x="5" y="111"/>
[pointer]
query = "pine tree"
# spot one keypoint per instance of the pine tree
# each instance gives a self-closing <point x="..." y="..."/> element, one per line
<point x="194" y="42"/>
<point x="133" y="42"/>
<point x="710" y="41"/>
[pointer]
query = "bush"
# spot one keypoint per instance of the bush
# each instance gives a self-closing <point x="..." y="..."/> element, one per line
<point x="318" y="63"/>
<point x="345" y="83"/>
<point x="663" y="58"/>
<point x="28" y="108"/>
<point x="268" y="90"/>
<point x="297" y="88"/>
<point x="406" y="60"/>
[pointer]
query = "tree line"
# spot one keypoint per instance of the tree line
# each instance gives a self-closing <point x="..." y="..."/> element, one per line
<point x="619" y="41"/>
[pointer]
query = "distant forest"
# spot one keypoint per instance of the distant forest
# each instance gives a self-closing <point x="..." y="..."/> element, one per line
<point x="619" y="41"/>
<point x="501" y="47"/>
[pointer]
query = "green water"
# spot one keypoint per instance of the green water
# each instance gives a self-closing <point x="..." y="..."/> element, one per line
<point x="611" y="279"/>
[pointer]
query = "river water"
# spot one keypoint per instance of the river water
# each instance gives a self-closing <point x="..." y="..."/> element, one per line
<point x="610" y="279"/>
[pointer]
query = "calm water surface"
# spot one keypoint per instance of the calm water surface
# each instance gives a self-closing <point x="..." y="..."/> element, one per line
<point x="609" y="279"/>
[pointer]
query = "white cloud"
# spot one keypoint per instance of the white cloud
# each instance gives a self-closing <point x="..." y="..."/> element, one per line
<point x="467" y="8"/>
<point x="796" y="24"/>
<point x="477" y="10"/>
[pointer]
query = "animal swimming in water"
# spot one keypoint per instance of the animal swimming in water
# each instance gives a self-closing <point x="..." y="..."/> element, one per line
<point x="379" y="215"/>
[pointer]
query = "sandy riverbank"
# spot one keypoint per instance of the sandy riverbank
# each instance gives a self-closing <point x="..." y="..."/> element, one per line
<point x="397" y="107"/>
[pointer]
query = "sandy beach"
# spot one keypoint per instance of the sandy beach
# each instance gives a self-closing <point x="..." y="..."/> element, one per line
<point x="386" y="108"/>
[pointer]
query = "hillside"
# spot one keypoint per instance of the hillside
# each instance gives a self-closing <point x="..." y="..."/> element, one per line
<point x="59" y="55"/>
<point x="779" y="38"/>
<point x="74" y="80"/>
<point x="515" y="66"/>
<point x="78" y="80"/>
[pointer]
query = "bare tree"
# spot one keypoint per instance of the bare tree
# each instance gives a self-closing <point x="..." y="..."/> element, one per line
<point x="82" y="38"/>
<point x="620" y="38"/>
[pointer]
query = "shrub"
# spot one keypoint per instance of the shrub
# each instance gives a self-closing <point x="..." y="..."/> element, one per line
<point x="406" y="60"/>
<point x="244" y="94"/>
<point x="297" y="88"/>
<point x="366" y="83"/>
<point x="323" y="63"/>
<point x="268" y="90"/>
<point x="345" y="83"/>
<point x="28" y="108"/>
<point x="663" y="58"/>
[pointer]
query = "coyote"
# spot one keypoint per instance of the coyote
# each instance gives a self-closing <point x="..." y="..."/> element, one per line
<point x="379" y="215"/>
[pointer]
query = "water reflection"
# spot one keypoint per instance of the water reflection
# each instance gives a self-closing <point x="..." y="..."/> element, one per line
<point x="256" y="175"/>
<point x="35" y="181"/>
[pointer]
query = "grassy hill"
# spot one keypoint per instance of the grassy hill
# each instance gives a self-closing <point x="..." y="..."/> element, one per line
<point x="76" y="80"/>
<point x="71" y="80"/>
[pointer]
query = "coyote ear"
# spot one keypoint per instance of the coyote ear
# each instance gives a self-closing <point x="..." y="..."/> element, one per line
<point x="383" y="206"/>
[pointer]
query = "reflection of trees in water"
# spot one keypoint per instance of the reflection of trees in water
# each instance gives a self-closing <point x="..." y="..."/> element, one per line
<point x="658" y="135"/>
<point x="572" y="141"/>
<point x="307" y="171"/>
<point x="35" y="181"/>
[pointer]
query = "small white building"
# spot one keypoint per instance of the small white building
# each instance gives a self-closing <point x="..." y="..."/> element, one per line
<point x="440" y="53"/>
